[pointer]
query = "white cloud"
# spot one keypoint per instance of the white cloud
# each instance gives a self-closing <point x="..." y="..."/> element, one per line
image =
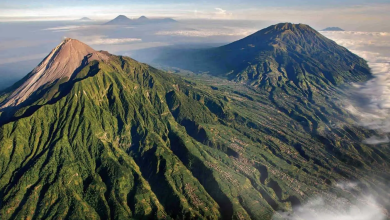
<point x="104" y="40"/>
<point x="64" y="28"/>
<point x="370" y="101"/>
<point x="355" y="33"/>
<point x="356" y="40"/>
<point x="329" y="206"/>
<point x="320" y="209"/>
<point x="208" y="32"/>
<point x="126" y="49"/>
<point x="115" y="41"/>
<point x="220" y="11"/>
<point x="376" y="140"/>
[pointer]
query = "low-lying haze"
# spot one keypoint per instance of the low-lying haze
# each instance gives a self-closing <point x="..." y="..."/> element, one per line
<point x="24" y="44"/>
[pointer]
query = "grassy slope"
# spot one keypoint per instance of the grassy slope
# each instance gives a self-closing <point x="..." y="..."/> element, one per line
<point x="128" y="141"/>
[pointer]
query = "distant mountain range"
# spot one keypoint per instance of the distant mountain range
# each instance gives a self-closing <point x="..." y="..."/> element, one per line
<point x="91" y="135"/>
<point x="85" y="19"/>
<point x="332" y="29"/>
<point x="123" y="20"/>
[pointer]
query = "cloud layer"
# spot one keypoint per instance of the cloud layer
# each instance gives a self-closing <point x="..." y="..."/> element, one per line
<point x="102" y="40"/>
<point x="328" y="206"/>
<point x="370" y="101"/>
<point x="208" y="32"/>
<point x="64" y="28"/>
<point x="338" y="209"/>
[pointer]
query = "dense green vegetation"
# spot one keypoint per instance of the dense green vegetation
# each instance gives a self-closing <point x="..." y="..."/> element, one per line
<point x="123" y="140"/>
<point x="285" y="53"/>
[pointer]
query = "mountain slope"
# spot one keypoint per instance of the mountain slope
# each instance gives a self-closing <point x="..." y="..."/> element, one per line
<point x="123" y="140"/>
<point x="275" y="56"/>
<point x="295" y="67"/>
<point x="60" y="65"/>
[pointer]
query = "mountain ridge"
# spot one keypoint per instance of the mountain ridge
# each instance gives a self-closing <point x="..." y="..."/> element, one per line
<point x="277" y="50"/>
<point x="291" y="41"/>
<point x="124" y="140"/>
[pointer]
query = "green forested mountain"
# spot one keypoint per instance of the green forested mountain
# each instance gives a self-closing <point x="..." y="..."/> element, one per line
<point x="117" y="139"/>
<point x="282" y="53"/>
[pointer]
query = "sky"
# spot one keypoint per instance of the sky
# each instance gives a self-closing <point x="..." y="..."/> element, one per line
<point x="344" y="12"/>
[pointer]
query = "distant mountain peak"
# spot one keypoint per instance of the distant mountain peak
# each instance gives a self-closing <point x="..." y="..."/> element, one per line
<point x="281" y="31"/>
<point x="85" y="19"/>
<point x="61" y="64"/>
<point x="121" y="17"/>
<point x="284" y="26"/>
<point x="289" y="33"/>
<point x="143" y="18"/>
<point x="119" y="20"/>
<point x="332" y="29"/>
<point x="169" y="20"/>
<point x="76" y="46"/>
<point x="288" y="26"/>
<point x="280" y="53"/>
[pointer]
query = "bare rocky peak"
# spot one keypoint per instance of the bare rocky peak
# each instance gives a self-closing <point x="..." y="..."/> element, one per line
<point x="61" y="63"/>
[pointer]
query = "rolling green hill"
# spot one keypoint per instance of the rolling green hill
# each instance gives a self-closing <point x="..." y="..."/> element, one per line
<point x="122" y="140"/>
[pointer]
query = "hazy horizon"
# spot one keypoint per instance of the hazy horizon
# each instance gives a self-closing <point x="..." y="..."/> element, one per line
<point x="25" y="44"/>
<point x="341" y="13"/>
<point x="31" y="29"/>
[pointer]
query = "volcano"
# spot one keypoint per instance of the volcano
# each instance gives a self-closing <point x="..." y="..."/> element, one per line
<point x="91" y="135"/>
